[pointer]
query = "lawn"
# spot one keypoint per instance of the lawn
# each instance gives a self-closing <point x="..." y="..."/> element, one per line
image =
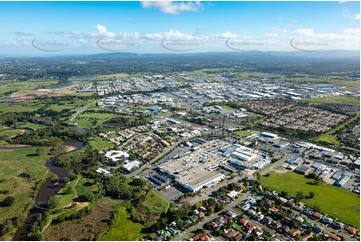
<point x="83" y="123"/>
<point x="29" y="125"/>
<point x="18" y="107"/>
<point x="91" y="120"/>
<point x="85" y="185"/>
<point x="62" y="198"/>
<point x="123" y="228"/>
<point x="111" y="76"/>
<point x="243" y="133"/>
<point x="226" y="107"/>
<point x="143" y="107"/>
<point x="10" y="133"/>
<point x="146" y="143"/>
<point x="328" y="137"/>
<point x="331" y="200"/>
<point x="72" y="190"/>
<point x="99" y="116"/>
<point x="99" y="143"/>
<point x="156" y="203"/>
<point x="343" y="99"/>
<point x="20" y="171"/>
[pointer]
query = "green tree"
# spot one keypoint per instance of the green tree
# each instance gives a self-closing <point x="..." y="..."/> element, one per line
<point x="59" y="149"/>
<point x="311" y="194"/>
<point x="299" y="196"/>
<point x="8" y="201"/>
<point x="41" y="152"/>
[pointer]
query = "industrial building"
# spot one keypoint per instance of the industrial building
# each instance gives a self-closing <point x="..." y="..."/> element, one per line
<point x="196" y="170"/>
<point x="240" y="156"/>
<point x="340" y="182"/>
<point x="268" y="137"/>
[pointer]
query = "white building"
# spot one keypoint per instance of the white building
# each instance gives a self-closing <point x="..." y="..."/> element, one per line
<point x="115" y="155"/>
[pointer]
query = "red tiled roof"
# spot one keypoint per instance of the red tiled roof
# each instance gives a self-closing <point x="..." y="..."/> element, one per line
<point x="238" y="237"/>
<point x="197" y="236"/>
<point x="243" y="221"/>
<point x="332" y="236"/>
<point x="205" y="238"/>
<point x="306" y="237"/>
<point x="350" y="229"/>
<point x="294" y="233"/>
<point x="317" y="215"/>
<point x="229" y="234"/>
<point x="249" y="227"/>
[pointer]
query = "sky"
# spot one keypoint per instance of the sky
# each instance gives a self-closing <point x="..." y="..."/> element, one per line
<point x="48" y="28"/>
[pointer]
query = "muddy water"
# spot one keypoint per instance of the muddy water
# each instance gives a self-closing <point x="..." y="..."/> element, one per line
<point x="46" y="191"/>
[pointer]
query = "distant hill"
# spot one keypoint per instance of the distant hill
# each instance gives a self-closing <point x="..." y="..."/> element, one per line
<point x="321" y="54"/>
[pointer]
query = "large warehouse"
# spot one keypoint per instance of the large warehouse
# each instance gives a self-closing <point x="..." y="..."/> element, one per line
<point x="240" y="156"/>
<point x="197" y="170"/>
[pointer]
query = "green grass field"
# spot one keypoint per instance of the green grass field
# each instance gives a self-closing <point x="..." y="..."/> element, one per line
<point x="243" y="133"/>
<point x="91" y="120"/>
<point x="25" y="85"/>
<point x="226" y="107"/>
<point x="328" y="137"/>
<point x="156" y="203"/>
<point x="10" y="133"/>
<point x="29" y="125"/>
<point x="111" y="76"/>
<point x="63" y="199"/>
<point x="83" y="123"/>
<point x="344" y="99"/>
<point x="99" y="144"/>
<point x="20" y="170"/>
<point x="85" y="185"/>
<point x="19" y="107"/>
<point x="123" y="228"/>
<point x="75" y="188"/>
<point x="332" y="200"/>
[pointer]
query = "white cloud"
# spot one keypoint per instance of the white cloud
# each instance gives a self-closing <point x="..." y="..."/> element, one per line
<point x="346" y="13"/>
<point x="305" y="32"/>
<point x="172" y="34"/>
<point x="226" y="35"/>
<point x="349" y="34"/>
<point x="271" y="35"/>
<point x="103" y="31"/>
<point x="171" y="7"/>
<point x="21" y="34"/>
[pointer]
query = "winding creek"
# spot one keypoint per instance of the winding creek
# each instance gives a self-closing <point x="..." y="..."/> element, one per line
<point x="47" y="190"/>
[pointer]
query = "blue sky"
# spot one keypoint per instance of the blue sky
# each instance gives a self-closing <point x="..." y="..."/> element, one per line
<point x="98" y="27"/>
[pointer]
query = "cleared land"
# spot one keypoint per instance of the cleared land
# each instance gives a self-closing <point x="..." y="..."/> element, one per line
<point x="332" y="200"/>
<point x="344" y="99"/>
<point x="16" y="86"/>
<point x="88" y="227"/>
